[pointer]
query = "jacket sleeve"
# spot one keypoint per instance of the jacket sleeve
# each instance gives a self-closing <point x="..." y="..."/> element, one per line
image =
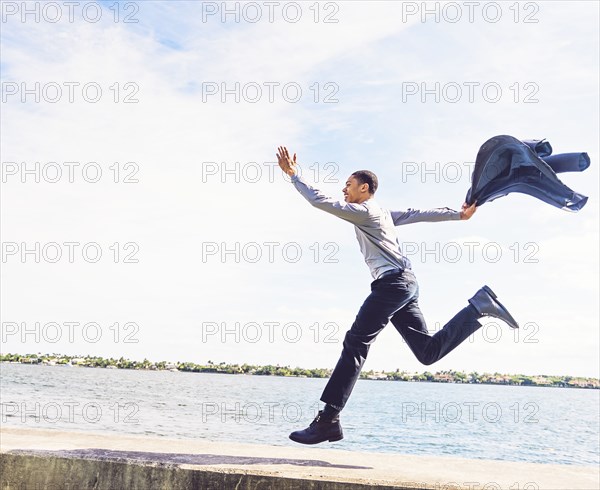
<point x="415" y="215"/>
<point x="355" y="213"/>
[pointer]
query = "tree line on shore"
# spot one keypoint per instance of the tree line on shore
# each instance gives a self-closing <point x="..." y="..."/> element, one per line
<point x="270" y="370"/>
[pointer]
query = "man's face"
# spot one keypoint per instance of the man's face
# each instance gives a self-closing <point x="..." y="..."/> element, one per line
<point x="355" y="191"/>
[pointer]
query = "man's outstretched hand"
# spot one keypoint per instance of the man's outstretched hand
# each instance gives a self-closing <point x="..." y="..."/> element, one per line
<point x="467" y="211"/>
<point x="287" y="164"/>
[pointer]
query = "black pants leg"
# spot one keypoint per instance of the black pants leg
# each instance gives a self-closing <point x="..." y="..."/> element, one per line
<point x="393" y="297"/>
<point x="431" y="348"/>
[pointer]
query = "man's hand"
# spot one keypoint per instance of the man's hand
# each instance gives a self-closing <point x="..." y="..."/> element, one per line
<point x="287" y="164"/>
<point x="467" y="211"/>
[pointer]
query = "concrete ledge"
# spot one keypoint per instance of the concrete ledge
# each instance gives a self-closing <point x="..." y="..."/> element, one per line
<point x="45" y="472"/>
<point x="51" y="459"/>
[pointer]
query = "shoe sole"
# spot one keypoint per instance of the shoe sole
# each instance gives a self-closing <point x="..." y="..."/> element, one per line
<point x="513" y="323"/>
<point x="333" y="439"/>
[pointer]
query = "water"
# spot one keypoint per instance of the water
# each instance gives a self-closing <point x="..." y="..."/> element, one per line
<point x="514" y="423"/>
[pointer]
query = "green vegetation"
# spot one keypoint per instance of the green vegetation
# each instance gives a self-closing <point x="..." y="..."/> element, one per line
<point x="269" y="370"/>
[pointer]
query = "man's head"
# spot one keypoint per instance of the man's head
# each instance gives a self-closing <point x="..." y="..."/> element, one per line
<point x="360" y="186"/>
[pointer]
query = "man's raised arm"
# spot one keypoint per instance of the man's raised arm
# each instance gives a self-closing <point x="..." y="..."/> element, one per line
<point x="355" y="213"/>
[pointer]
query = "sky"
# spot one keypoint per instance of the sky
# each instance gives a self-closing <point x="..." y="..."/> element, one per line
<point x="143" y="214"/>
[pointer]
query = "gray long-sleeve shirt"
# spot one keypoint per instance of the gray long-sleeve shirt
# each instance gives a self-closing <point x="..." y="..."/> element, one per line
<point x="374" y="225"/>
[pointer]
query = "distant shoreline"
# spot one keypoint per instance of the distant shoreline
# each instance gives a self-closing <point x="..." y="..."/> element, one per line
<point x="286" y="371"/>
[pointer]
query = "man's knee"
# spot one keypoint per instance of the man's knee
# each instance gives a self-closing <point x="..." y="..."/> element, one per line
<point x="427" y="361"/>
<point x="427" y="356"/>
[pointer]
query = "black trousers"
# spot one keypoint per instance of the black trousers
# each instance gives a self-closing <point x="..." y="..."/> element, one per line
<point x="394" y="297"/>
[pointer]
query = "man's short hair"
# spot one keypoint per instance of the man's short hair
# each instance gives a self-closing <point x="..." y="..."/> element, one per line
<point x="367" y="177"/>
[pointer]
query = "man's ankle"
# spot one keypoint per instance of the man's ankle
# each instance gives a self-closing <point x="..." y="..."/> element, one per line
<point x="330" y="412"/>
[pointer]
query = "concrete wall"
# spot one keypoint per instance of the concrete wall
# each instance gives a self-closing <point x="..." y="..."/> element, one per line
<point x="49" y="459"/>
<point x="32" y="472"/>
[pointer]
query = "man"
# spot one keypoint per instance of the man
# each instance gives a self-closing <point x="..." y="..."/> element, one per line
<point x="394" y="292"/>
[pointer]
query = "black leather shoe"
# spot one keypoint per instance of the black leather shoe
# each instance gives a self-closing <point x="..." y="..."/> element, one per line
<point x="319" y="430"/>
<point x="486" y="303"/>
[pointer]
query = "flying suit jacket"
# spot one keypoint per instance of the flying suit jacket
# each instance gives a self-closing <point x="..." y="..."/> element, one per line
<point x="505" y="164"/>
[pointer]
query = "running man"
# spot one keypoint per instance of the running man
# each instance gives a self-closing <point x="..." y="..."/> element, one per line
<point x="394" y="292"/>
